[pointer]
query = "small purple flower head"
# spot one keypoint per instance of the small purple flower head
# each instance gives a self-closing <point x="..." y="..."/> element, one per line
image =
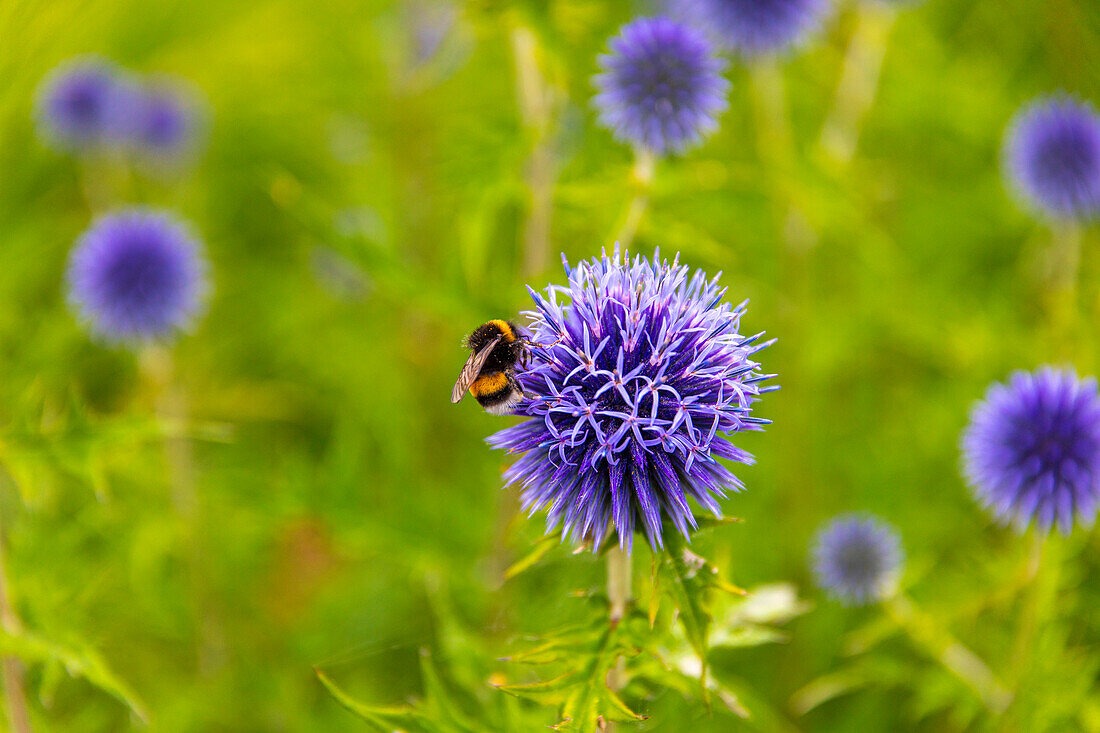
<point x="1032" y="449"/>
<point x="136" y="275"/>
<point x="165" y="121"/>
<point x="641" y="378"/>
<point x="755" y="27"/>
<point x="78" y="106"/>
<point x="661" y="87"/>
<point x="1052" y="156"/>
<point x="856" y="558"/>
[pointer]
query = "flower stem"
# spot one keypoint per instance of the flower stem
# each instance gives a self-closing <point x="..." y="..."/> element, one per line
<point x="172" y="410"/>
<point x="641" y="175"/>
<point x="1065" y="257"/>
<point x="618" y="592"/>
<point x="939" y="644"/>
<point x="11" y="669"/>
<point x="858" y="84"/>
<point x="1043" y="567"/>
<point x="535" y="98"/>
<point x="618" y="582"/>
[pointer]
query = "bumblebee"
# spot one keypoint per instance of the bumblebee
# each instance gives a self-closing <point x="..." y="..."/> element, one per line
<point x="490" y="372"/>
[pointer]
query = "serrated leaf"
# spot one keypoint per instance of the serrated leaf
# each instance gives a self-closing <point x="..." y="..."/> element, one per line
<point x="709" y="522"/>
<point x="686" y="591"/>
<point x="85" y="663"/>
<point x="383" y="718"/>
<point x="618" y="711"/>
<point x="547" y="692"/>
<point x="440" y="699"/>
<point x="583" y="704"/>
<point x="541" y="548"/>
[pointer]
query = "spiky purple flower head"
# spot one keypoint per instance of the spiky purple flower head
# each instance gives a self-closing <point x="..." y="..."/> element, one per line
<point x="661" y="87"/>
<point x="79" y="105"/>
<point x="1032" y="449"/>
<point x="1052" y="156"/>
<point x="634" y="402"/>
<point x="136" y="275"/>
<point x="755" y="27"/>
<point x="856" y="558"/>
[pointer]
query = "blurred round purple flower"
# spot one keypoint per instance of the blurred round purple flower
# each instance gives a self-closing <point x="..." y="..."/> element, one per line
<point x="79" y="106"/>
<point x="856" y="558"/>
<point x="136" y="274"/>
<point x="1032" y="449"/>
<point x="755" y="27"/>
<point x="1052" y="152"/>
<point x="661" y="87"/>
<point x="631" y="408"/>
<point x="164" y="120"/>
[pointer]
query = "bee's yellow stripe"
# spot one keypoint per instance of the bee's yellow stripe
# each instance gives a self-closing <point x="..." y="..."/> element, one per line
<point x="488" y="384"/>
<point x="505" y="329"/>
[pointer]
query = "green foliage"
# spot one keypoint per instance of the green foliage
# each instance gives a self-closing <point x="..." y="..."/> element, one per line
<point x="364" y="201"/>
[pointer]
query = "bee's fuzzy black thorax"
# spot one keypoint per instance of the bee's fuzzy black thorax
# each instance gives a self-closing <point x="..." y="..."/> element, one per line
<point x="507" y="353"/>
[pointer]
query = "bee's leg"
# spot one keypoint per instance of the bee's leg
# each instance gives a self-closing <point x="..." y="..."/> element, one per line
<point x="519" y="386"/>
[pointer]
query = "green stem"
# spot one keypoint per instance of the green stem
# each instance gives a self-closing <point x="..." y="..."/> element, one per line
<point x="855" y="93"/>
<point x="939" y="644"/>
<point x="618" y="582"/>
<point x="172" y="409"/>
<point x="535" y="98"/>
<point x="619" y="572"/>
<point x="775" y="146"/>
<point x="642" y="174"/>
<point x="1065" y="257"/>
<point x="1043" y="567"/>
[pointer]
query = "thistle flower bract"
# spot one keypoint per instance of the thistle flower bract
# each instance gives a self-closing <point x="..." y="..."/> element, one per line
<point x="856" y="558"/>
<point x="136" y="275"/>
<point x="631" y="407"/>
<point x="661" y="87"/>
<point x="1052" y="155"/>
<point x="78" y="106"/>
<point x="1032" y="449"/>
<point x="755" y="27"/>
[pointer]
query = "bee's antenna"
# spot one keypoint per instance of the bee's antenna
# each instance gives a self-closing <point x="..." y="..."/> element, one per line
<point x="546" y="346"/>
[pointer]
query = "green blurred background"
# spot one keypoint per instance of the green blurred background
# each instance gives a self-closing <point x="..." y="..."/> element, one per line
<point x="379" y="178"/>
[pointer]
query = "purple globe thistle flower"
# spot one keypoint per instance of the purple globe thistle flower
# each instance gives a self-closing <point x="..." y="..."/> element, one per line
<point x="755" y="27"/>
<point x="642" y="376"/>
<point x="136" y="275"/>
<point x="1052" y="156"/>
<point x="79" y="105"/>
<point x="856" y="558"/>
<point x="661" y="87"/>
<point x="1032" y="449"/>
<point x="165" y="122"/>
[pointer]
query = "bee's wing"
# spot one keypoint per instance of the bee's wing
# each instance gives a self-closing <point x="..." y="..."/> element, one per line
<point x="471" y="369"/>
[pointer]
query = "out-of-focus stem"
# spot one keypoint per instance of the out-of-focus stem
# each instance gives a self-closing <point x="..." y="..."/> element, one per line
<point x="944" y="648"/>
<point x="535" y="99"/>
<point x="773" y="128"/>
<point x="641" y="179"/>
<point x="618" y="582"/>
<point x="172" y="409"/>
<point x="775" y="146"/>
<point x="858" y="80"/>
<point x="11" y="669"/>
<point x="618" y="592"/>
<point x="1043" y="566"/>
<point x="1065" y="257"/>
